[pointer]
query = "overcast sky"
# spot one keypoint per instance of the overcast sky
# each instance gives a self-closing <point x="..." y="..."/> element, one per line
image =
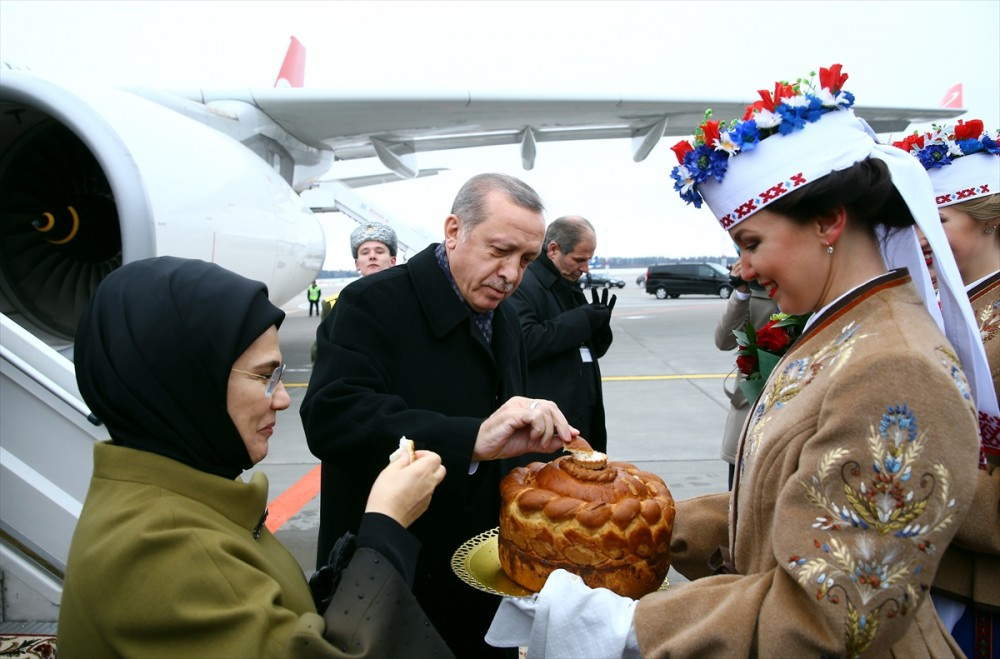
<point x="895" y="52"/>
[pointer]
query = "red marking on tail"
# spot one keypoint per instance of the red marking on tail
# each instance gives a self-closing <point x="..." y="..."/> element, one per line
<point x="293" y="69"/>
<point x="953" y="97"/>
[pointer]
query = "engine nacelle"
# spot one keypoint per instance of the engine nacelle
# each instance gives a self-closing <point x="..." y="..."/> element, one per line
<point x="92" y="178"/>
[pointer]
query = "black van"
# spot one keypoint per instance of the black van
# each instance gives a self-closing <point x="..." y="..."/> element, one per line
<point x="676" y="279"/>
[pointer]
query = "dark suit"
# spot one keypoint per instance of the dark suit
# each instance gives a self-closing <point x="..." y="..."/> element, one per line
<point x="401" y="355"/>
<point x="555" y="327"/>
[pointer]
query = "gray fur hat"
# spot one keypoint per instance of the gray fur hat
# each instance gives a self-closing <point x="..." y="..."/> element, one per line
<point x="382" y="233"/>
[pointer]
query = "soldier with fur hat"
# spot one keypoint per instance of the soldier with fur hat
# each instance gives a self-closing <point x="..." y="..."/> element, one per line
<point x="373" y="246"/>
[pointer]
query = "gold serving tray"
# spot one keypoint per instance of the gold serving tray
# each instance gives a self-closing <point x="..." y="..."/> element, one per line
<point x="477" y="563"/>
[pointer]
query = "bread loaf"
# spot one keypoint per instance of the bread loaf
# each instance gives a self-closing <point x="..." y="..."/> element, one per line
<point x="608" y="522"/>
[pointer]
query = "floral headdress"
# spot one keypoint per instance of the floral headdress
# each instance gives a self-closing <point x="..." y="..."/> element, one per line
<point x="943" y="152"/>
<point x="788" y="109"/>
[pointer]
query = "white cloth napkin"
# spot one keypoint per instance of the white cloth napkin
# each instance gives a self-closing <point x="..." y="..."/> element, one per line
<point x="567" y="619"/>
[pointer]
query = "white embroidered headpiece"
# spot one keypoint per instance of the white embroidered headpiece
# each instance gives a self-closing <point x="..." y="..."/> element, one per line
<point x="963" y="160"/>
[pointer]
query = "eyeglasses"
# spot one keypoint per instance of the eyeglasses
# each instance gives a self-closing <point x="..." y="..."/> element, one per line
<point x="272" y="380"/>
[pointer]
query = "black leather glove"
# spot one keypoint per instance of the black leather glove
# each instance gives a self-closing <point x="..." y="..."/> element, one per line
<point x="599" y="312"/>
<point x="603" y="302"/>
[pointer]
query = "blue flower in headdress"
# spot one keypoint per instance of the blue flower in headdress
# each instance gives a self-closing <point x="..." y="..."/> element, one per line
<point x="807" y="109"/>
<point x="845" y="100"/>
<point x="749" y="136"/>
<point x="990" y="145"/>
<point x="791" y="119"/>
<point x="970" y="146"/>
<point x="933" y="156"/>
<point x="684" y="185"/>
<point x="703" y="162"/>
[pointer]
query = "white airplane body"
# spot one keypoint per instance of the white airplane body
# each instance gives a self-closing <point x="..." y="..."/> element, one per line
<point x="91" y="178"/>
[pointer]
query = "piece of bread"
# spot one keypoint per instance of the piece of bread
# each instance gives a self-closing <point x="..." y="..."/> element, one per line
<point x="611" y="525"/>
<point x="405" y="446"/>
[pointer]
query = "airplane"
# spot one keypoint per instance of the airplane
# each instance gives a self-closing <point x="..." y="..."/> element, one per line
<point x="91" y="178"/>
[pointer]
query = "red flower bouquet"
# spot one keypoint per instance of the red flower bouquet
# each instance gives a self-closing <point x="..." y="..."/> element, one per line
<point x="761" y="349"/>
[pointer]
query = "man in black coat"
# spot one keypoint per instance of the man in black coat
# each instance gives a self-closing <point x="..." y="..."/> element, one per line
<point x="564" y="335"/>
<point x="426" y="350"/>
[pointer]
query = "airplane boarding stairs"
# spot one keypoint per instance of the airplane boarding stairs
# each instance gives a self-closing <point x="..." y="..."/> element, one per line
<point x="46" y="459"/>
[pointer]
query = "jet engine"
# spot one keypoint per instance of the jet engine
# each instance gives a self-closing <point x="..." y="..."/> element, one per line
<point x="93" y="178"/>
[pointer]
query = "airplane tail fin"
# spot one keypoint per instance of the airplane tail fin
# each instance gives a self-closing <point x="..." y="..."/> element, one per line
<point x="293" y="68"/>
<point x="953" y="97"/>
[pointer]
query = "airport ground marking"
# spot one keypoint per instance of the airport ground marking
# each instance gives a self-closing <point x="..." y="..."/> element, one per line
<point x="688" y="376"/>
<point x="287" y="504"/>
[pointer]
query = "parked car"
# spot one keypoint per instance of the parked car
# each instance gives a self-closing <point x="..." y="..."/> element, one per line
<point x="677" y="279"/>
<point x="590" y="280"/>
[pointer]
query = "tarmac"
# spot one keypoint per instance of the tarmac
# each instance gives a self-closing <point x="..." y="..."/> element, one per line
<point x="663" y="383"/>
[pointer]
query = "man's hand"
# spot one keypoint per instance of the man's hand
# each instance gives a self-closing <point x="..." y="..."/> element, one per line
<point x="522" y="425"/>
<point x="599" y="312"/>
<point x="603" y="301"/>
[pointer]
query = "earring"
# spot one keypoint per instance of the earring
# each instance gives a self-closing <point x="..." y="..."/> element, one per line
<point x="989" y="231"/>
<point x="829" y="249"/>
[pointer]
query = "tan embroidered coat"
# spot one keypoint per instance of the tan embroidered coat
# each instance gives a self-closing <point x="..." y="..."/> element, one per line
<point x="856" y="467"/>
<point x="970" y="569"/>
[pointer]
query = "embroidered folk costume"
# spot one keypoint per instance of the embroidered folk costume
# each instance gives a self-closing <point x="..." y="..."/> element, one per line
<point x="857" y="462"/>
<point x="963" y="162"/>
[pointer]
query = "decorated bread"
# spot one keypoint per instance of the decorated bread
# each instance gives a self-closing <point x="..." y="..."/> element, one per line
<point x="406" y="447"/>
<point x="608" y="522"/>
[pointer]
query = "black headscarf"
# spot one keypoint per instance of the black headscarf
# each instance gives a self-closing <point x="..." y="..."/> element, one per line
<point x="154" y="350"/>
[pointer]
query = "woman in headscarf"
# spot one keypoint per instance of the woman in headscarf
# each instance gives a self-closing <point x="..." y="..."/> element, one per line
<point x="857" y="461"/>
<point x="180" y="360"/>
<point x="963" y="162"/>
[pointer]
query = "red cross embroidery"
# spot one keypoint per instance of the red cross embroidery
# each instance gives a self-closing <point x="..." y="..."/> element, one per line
<point x="798" y="179"/>
<point x="727" y="221"/>
<point x="942" y="198"/>
<point x="773" y="192"/>
<point x="746" y="209"/>
<point x="984" y="189"/>
<point x="968" y="192"/>
<point x="989" y="432"/>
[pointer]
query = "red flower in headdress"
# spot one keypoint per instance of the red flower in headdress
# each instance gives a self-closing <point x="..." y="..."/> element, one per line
<point x="711" y="130"/>
<point x="907" y="143"/>
<point x="970" y="130"/>
<point x="832" y="78"/>
<point x="680" y="150"/>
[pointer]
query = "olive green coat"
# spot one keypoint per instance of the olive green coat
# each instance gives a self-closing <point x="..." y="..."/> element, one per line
<point x="169" y="561"/>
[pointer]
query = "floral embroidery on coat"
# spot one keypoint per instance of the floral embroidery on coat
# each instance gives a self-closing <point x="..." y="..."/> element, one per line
<point x="989" y="322"/>
<point x="876" y="505"/>
<point x="786" y="383"/>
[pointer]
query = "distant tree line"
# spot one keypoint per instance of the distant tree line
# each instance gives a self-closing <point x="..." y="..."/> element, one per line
<point x="646" y="261"/>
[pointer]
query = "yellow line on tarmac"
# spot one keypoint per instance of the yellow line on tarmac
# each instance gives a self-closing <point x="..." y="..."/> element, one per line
<point x="637" y="378"/>
<point x="614" y="378"/>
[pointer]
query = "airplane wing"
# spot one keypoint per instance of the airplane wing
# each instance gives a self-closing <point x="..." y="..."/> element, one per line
<point x="393" y="127"/>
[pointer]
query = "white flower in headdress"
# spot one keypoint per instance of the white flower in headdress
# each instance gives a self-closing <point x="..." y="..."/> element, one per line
<point x="826" y="97"/>
<point x="685" y="178"/>
<point x="766" y="119"/>
<point x="796" y="101"/>
<point x="727" y="144"/>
